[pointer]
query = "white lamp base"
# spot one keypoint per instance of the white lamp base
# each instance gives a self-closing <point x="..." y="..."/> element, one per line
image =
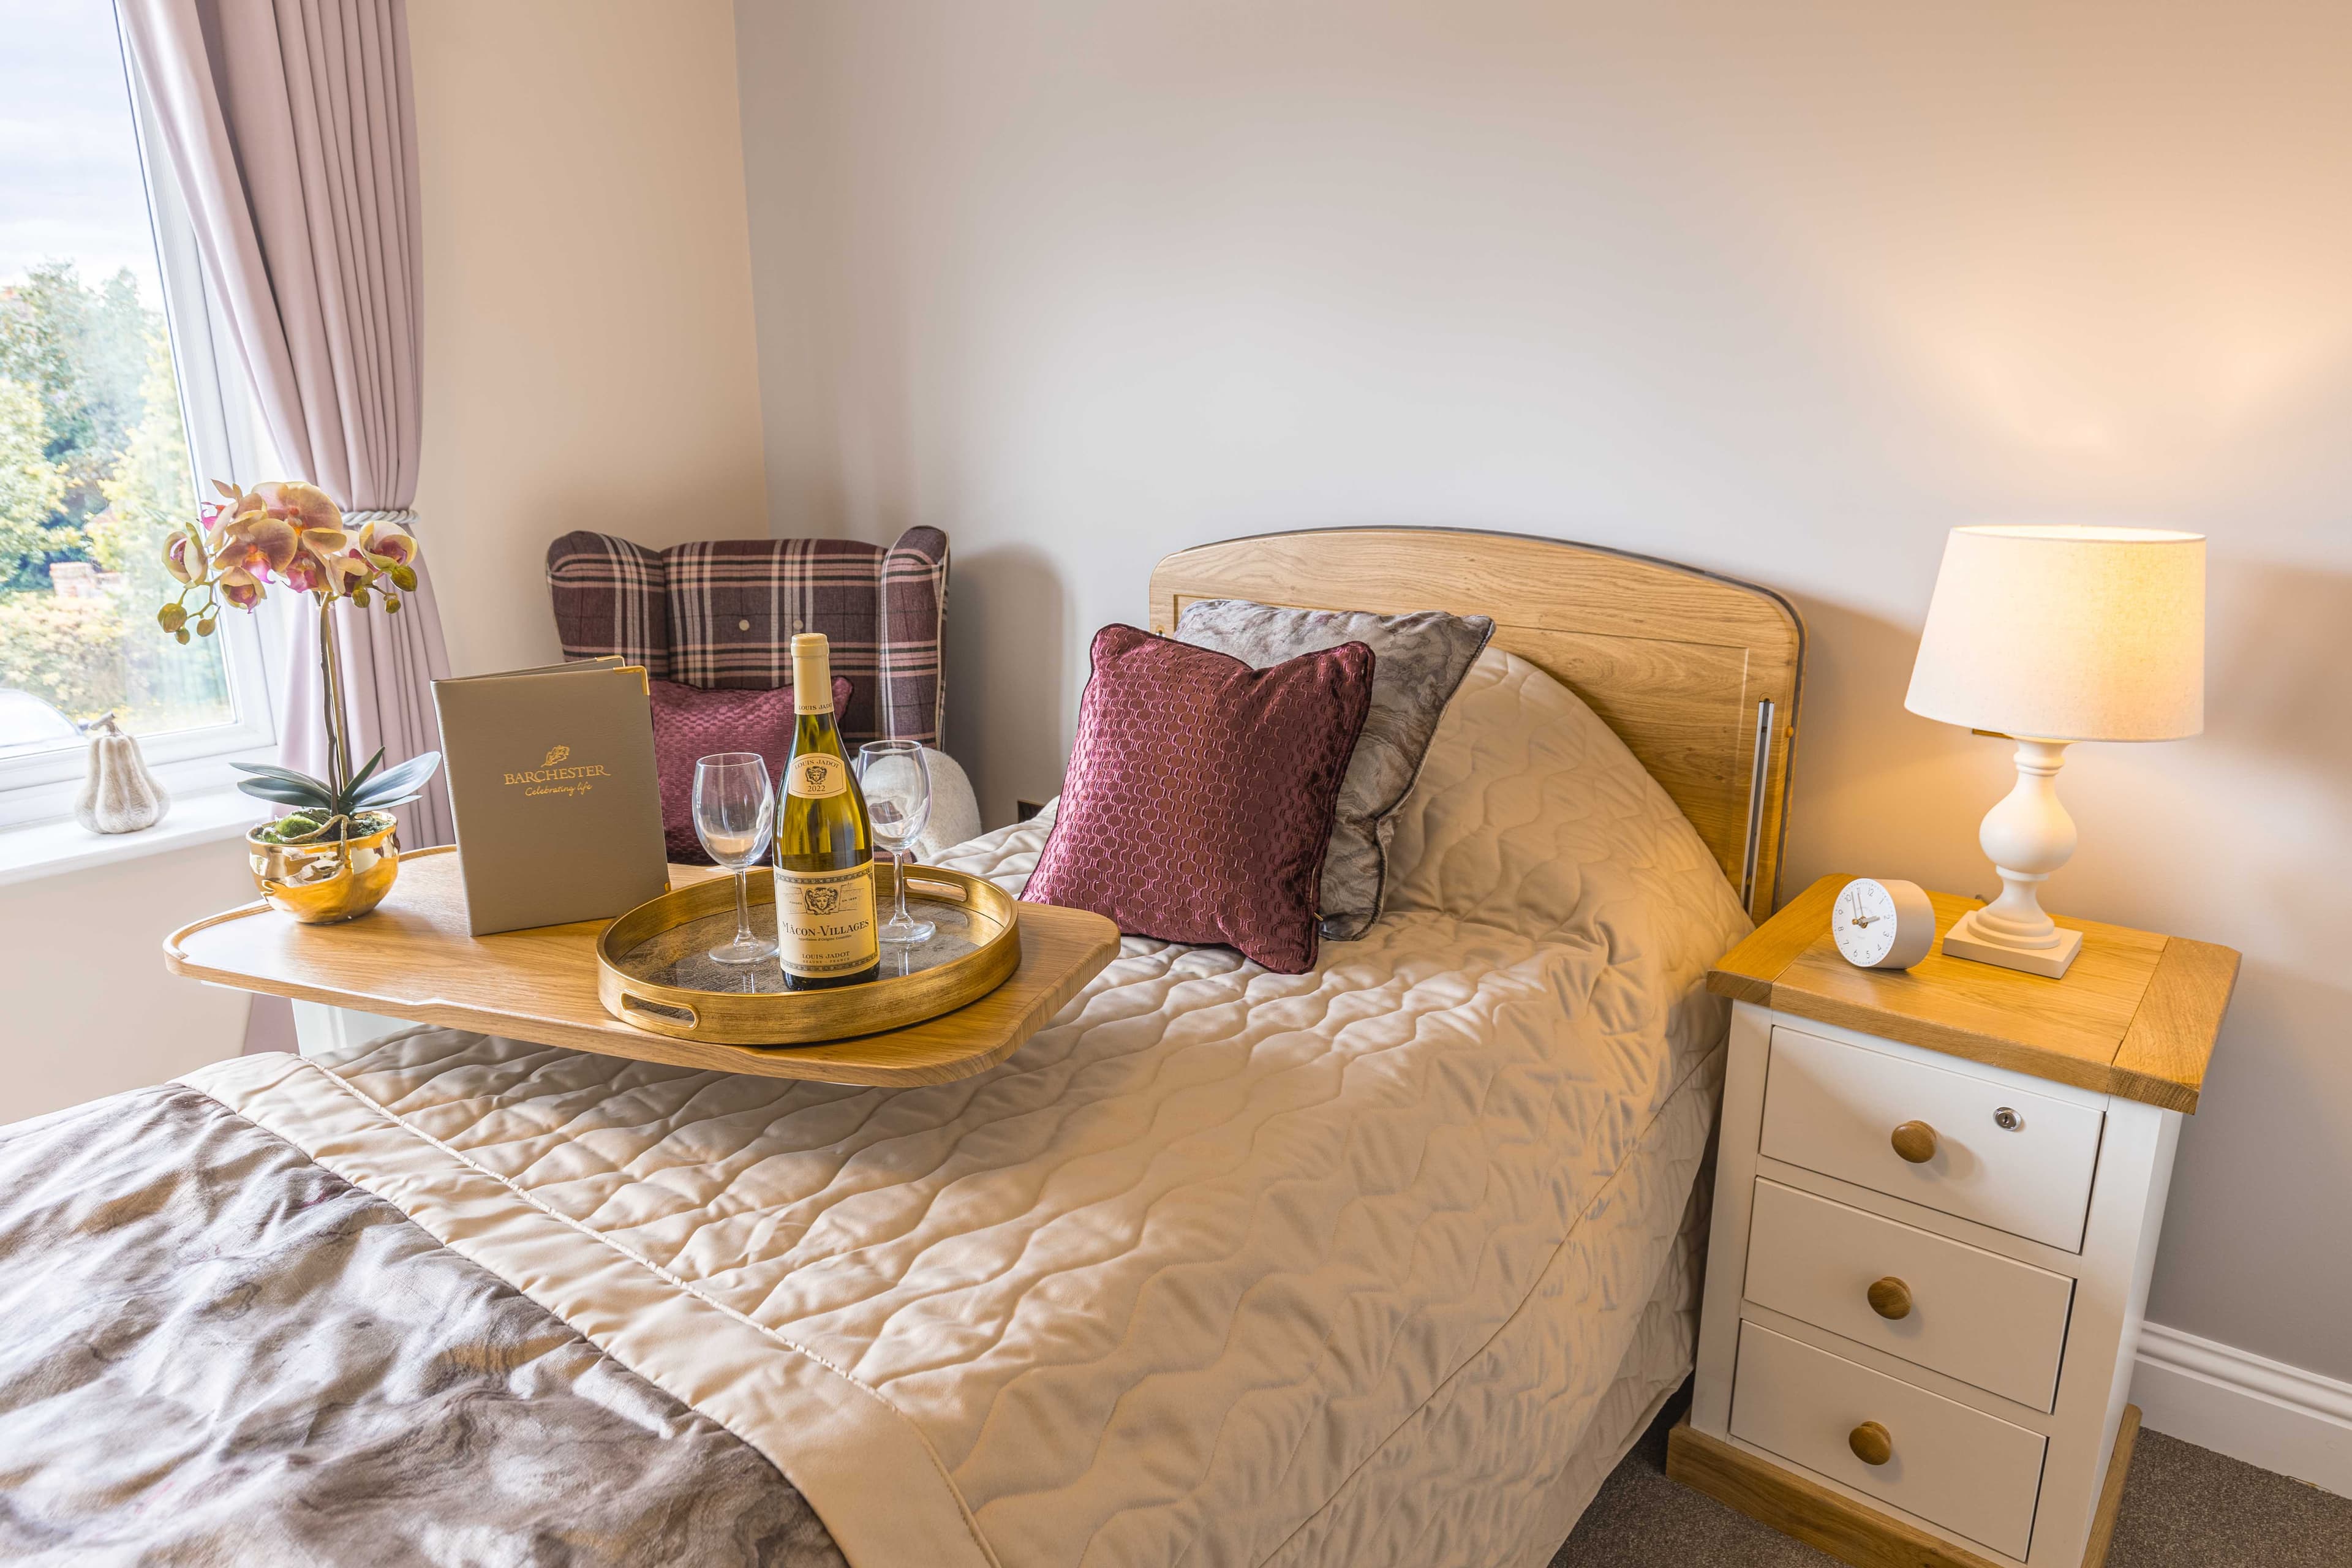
<point x="2029" y="835"/>
<point x="1964" y="941"/>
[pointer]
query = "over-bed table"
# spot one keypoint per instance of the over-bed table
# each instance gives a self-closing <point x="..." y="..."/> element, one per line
<point x="1386" y="1262"/>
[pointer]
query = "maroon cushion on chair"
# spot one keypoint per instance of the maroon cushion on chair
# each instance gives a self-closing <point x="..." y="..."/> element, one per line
<point x="690" y="723"/>
<point x="1200" y="793"/>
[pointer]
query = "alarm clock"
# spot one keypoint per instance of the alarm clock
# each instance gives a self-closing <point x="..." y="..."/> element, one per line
<point x="1883" y="924"/>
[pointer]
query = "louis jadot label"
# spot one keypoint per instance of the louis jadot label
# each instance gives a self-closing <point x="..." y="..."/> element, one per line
<point x="814" y="775"/>
<point x="824" y="921"/>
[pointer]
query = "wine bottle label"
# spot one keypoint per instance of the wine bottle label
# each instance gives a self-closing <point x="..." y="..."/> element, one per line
<point x="824" y="921"/>
<point x="815" y="775"/>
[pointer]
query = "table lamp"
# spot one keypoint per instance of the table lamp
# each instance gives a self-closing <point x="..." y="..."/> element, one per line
<point x="2052" y="635"/>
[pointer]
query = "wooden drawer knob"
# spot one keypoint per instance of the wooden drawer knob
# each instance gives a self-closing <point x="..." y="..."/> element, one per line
<point x="1890" y="1299"/>
<point x="1871" y="1443"/>
<point x="1915" y="1141"/>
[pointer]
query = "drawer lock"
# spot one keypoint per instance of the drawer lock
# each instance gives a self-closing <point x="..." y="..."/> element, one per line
<point x="2008" y="1120"/>
<point x="1890" y="1299"/>
<point x="1872" y="1444"/>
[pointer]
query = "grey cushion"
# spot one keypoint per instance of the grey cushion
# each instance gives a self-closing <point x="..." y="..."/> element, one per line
<point x="1417" y="661"/>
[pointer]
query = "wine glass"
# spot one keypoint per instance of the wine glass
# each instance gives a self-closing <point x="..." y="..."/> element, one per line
<point x="734" y="811"/>
<point x="897" y="787"/>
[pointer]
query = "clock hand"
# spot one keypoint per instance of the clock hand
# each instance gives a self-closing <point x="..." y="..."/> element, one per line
<point x="1864" y="919"/>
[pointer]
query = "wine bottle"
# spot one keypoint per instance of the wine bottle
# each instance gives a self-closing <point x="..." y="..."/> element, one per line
<point x="825" y="842"/>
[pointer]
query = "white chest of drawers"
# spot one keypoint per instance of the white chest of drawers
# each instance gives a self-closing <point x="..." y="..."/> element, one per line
<point x="1937" y="1198"/>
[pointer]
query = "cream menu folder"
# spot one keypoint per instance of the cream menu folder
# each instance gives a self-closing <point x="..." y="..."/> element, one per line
<point x="551" y="778"/>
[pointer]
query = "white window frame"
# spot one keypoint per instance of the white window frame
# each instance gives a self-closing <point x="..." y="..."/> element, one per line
<point x="226" y="441"/>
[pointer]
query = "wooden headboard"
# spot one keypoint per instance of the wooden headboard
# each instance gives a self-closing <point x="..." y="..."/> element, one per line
<point x="1696" y="673"/>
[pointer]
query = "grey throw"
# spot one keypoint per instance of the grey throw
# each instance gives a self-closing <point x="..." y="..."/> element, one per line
<point x="1418" y="663"/>
<point x="216" y="1351"/>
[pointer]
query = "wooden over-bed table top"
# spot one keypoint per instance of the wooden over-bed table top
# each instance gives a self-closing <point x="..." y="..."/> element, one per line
<point x="415" y="959"/>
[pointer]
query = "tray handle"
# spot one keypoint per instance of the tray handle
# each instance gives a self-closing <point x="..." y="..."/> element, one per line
<point x="671" y="1013"/>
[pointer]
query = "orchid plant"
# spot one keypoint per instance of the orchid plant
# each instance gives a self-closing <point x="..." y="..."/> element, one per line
<point x="285" y="533"/>
<point x="293" y="535"/>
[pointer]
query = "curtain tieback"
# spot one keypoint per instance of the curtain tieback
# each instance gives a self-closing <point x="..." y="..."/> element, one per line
<point x="400" y="517"/>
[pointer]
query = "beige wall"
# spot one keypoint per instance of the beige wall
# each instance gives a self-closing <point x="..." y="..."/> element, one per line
<point x="1783" y="290"/>
<point x="91" y="1010"/>
<point x="589" y="353"/>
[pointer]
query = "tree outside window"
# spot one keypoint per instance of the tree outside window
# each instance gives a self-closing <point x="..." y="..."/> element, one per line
<point x="94" y="468"/>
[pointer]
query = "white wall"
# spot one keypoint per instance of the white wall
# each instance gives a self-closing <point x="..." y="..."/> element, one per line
<point x="589" y="356"/>
<point x="1782" y="290"/>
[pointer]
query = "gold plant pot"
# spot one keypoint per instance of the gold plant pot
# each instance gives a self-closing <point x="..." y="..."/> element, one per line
<point x="319" y="884"/>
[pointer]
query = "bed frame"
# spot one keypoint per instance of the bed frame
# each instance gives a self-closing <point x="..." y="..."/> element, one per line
<point x="1697" y="674"/>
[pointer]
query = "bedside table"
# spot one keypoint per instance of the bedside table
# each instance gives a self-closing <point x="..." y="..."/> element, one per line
<point x="1937" y="1196"/>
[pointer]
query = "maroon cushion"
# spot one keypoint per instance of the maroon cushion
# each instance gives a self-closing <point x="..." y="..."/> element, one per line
<point x="690" y="723"/>
<point x="1200" y="793"/>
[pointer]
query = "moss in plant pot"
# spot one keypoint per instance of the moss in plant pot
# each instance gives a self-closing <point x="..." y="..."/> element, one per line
<point x="308" y="828"/>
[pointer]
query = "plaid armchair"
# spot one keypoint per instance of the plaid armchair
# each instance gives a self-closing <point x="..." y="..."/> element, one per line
<point x="722" y="613"/>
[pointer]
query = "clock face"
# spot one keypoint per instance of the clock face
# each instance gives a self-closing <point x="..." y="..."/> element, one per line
<point x="1864" y="921"/>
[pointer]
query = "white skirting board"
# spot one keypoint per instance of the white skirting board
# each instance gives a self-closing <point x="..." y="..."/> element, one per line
<point x="2270" y="1414"/>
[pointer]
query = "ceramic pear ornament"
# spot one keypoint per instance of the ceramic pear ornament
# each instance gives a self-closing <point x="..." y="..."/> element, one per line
<point x="120" y="796"/>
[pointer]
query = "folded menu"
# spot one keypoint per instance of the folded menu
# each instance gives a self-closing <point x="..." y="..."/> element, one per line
<point x="551" y="775"/>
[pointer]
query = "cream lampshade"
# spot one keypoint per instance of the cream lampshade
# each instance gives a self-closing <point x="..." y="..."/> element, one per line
<point x="2052" y="634"/>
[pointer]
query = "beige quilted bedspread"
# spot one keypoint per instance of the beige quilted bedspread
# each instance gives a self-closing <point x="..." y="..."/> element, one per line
<point x="1224" y="1267"/>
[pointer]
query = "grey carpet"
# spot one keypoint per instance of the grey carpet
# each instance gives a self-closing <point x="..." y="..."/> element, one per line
<point x="2184" y="1507"/>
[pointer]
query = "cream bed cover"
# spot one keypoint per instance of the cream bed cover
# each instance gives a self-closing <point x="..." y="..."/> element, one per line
<point x="1224" y="1267"/>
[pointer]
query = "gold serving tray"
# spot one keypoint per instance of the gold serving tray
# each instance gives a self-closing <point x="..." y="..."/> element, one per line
<point x="653" y="971"/>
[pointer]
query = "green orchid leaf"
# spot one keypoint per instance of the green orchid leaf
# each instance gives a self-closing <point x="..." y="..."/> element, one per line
<point x="286" y="793"/>
<point x="292" y="788"/>
<point x="387" y="804"/>
<point x="362" y="776"/>
<point x="263" y="770"/>
<point x="408" y="776"/>
<point x="379" y="792"/>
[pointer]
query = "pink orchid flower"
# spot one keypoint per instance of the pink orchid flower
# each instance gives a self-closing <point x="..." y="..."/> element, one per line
<point x="347" y="572"/>
<point x="388" y="541"/>
<point x="183" y="558"/>
<point x="241" y="588"/>
<point x="304" y="506"/>
<point x="285" y="533"/>
<point x="257" y="542"/>
<point x="306" y="573"/>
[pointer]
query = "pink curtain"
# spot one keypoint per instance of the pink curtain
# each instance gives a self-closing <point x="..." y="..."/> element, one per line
<point x="290" y="128"/>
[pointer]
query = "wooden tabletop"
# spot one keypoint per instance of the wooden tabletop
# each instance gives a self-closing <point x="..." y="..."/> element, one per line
<point x="415" y="959"/>
<point x="2136" y="1015"/>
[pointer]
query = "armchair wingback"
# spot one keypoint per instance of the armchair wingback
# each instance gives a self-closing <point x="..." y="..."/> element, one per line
<point x="722" y="613"/>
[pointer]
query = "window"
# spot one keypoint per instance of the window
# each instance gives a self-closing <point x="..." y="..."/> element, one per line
<point x="100" y="384"/>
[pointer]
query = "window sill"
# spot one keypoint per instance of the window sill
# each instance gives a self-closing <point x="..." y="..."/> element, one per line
<point x="54" y="848"/>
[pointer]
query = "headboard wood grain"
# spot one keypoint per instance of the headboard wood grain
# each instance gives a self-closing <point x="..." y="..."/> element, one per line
<point x="1697" y="674"/>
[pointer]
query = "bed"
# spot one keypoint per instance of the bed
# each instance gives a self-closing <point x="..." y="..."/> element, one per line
<point x="1385" y="1262"/>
